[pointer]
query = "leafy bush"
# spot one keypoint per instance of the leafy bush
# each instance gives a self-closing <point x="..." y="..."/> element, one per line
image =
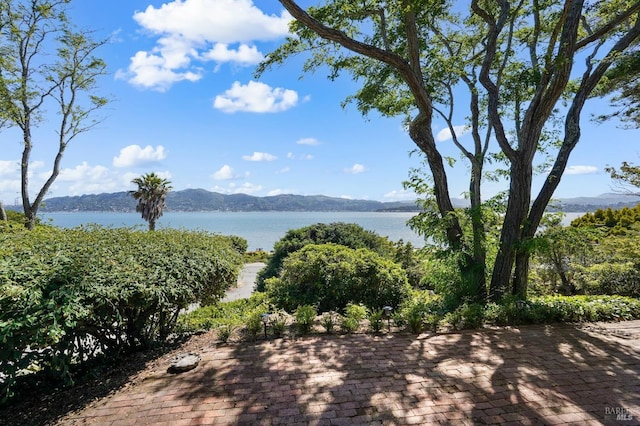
<point x="356" y="311"/>
<point x="278" y="322"/>
<point x="305" y="316"/>
<point x="225" y="331"/>
<point x="610" y="278"/>
<point x="551" y="309"/>
<point x="234" y="312"/>
<point x="68" y="295"/>
<point x="375" y="321"/>
<point x="15" y="220"/>
<point x="256" y="256"/>
<point x="348" y="324"/>
<point x="346" y="234"/>
<point x="328" y="320"/>
<point x="254" y="324"/>
<point x="330" y="276"/>
<point x="421" y="309"/>
<point x="468" y="315"/>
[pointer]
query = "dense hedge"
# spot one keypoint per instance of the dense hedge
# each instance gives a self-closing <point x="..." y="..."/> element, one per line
<point x="347" y="234"/>
<point x="424" y="310"/>
<point x="69" y="295"/>
<point x="330" y="276"/>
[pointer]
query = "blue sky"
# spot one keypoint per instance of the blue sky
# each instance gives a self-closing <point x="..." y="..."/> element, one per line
<point x="187" y="106"/>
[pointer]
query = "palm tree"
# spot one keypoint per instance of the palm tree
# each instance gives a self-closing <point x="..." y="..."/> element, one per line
<point x="151" y="195"/>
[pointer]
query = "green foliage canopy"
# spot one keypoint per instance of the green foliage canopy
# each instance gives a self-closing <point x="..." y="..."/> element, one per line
<point x="516" y="62"/>
<point x="151" y="196"/>
<point x="330" y="276"/>
<point x="67" y="296"/>
<point x="48" y="69"/>
<point x="346" y="234"/>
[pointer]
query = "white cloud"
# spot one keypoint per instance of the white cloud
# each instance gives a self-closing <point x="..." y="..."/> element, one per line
<point x="245" y="188"/>
<point x="10" y="180"/>
<point x="244" y="55"/>
<point x="403" y="195"/>
<point x="149" y="71"/>
<point x="225" y="173"/>
<point x="134" y="155"/>
<point x="84" y="173"/>
<point x="35" y="165"/>
<point x="87" y="179"/>
<point x="308" y="141"/>
<point x="284" y="170"/>
<point x="259" y="156"/>
<point x="192" y="32"/>
<point x="9" y="167"/>
<point x="581" y="170"/>
<point x="293" y="156"/>
<point x="255" y="97"/>
<point x="275" y="192"/>
<point x="355" y="169"/>
<point x="445" y="134"/>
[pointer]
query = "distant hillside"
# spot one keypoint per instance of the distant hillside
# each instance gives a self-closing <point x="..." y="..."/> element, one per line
<point x="202" y="200"/>
<point x="590" y="204"/>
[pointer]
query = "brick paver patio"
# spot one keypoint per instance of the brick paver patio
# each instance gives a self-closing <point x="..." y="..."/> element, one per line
<point x="528" y="375"/>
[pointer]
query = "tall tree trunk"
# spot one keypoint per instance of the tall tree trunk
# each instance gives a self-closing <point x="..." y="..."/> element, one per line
<point x="521" y="275"/>
<point x="472" y="268"/>
<point x="3" y="213"/>
<point x="590" y="79"/>
<point x="510" y="238"/>
<point x="479" y="265"/>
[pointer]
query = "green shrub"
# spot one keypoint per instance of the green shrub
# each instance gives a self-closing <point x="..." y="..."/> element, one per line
<point x="621" y="279"/>
<point x="346" y="234"/>
<point x="468" y="315"/>
<point x="375" y="321"/>
<point x="278" y="322"/>
<point x="305" y="316"/>
<point x="356" y="311"/>
<point x="254" y="324"/>
<point x="421" y="309"/>
<point x="348" y="324"/>
<point x="238" y="243"/>
<point x="225" y="331"/>
<point x="552" y="309"/>
<point x="256" y="256"/>
<point x="73" y="294"/>
<point x="330" y="276"/>
<point x="234" y="312"/>
<point x="328" y="321"/>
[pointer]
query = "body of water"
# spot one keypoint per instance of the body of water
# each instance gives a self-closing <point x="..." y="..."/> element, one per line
<point x="260" y="229"/>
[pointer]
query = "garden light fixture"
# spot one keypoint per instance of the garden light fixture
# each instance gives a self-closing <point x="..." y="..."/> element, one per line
<point x="265" y="319"/>
<point x="387" y="314"/>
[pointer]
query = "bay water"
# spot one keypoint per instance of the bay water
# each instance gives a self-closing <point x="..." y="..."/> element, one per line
<point x="261" y="229"/>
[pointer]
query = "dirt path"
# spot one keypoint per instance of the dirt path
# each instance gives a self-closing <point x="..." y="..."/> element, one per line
<point x="246" y="281"/>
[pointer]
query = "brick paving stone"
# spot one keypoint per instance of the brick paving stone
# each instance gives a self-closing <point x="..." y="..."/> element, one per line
<point x="524" y="375"/>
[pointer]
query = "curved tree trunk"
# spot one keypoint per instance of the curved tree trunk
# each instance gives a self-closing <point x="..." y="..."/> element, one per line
<point x="510" y="238"/>
<point x="472" y="267"/>
<point x="590" y="79"/>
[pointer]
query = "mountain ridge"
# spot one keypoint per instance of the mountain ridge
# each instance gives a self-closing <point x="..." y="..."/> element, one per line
<point x="198" y="199"/>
